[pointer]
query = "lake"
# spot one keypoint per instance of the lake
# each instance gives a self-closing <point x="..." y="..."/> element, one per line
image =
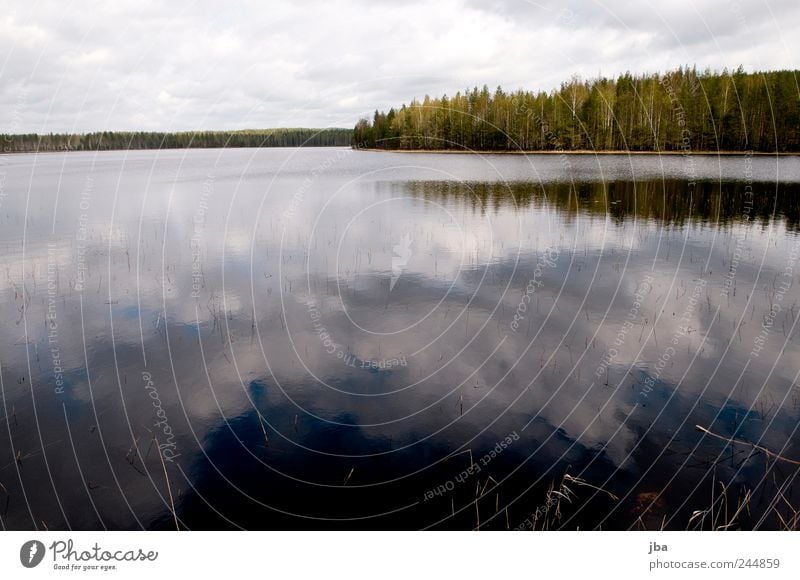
<point x="338" y="339"/>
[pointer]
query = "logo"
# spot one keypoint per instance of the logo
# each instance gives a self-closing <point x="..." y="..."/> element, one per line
<point x="32" y="553"/>
<point x="403" y="254"/>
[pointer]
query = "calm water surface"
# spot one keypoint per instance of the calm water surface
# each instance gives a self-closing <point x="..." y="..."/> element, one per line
<point x="326" y="338"/>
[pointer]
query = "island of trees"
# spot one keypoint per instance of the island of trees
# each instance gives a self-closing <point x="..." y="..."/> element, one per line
<point x="682" y="110"/>
<point x="111" y="140"/>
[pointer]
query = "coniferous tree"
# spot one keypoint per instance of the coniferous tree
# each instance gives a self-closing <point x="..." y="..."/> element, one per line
<point x="111" y="140"/>
<point x="676" y="111"/>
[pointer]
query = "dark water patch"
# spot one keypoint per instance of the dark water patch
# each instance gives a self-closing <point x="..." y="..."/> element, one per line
<point x="329" y="345"/>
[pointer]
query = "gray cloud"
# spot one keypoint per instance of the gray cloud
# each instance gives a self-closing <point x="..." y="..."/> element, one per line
<point x="197" y="64"/>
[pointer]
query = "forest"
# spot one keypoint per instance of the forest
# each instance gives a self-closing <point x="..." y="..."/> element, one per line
<point x="114" y="140"/>
<point x="682" y="110"/>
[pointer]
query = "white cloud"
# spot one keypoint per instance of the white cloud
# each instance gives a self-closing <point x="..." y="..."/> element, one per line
<point x="199" y="64"/>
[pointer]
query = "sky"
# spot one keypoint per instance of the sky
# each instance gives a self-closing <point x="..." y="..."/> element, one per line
<point x="199" y="64"/>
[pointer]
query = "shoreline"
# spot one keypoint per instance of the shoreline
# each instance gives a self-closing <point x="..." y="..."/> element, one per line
<point x="47" y="151"/>
<point x="585" y="152"/>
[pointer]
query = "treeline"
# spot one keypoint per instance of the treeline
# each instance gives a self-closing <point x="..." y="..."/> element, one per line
<point x="115" y="140"/>
<point x="680" y="110"/>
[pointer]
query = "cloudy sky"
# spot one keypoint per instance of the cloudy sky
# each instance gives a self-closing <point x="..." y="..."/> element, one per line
<point x="198" y="64"/>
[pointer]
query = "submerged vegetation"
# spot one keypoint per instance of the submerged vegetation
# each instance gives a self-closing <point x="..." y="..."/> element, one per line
<point x="681" y="110"/>
<point x="123" y="140"/>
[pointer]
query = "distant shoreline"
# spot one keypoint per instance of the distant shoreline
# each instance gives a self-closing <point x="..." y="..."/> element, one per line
<point x="582" y="152"/>
<point x="160" y="140"/>
<point x="163" y="149"/>
<point x="436" y="151"/>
